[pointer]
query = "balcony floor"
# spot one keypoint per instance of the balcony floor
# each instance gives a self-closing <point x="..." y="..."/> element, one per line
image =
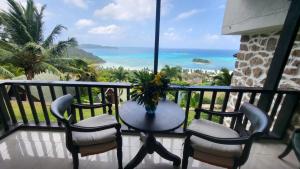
<point x="46" y="150"/>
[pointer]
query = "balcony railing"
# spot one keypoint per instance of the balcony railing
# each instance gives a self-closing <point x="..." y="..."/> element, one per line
<point x="25" y="104"/>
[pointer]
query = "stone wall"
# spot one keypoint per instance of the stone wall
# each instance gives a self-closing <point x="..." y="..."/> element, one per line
<point x="253" y="61"/>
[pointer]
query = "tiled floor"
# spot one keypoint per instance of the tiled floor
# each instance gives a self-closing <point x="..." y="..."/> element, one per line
<point x="46" y="150"/>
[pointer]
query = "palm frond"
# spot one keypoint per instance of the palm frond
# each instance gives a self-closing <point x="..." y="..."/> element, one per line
<point x="10" y="47"/>
<point x="5" y="56"/>
<point x="16" y="28"/>
<point x="34" y="21"/>
<point x="58" y="50"/>
<point x="17" y="10"/>
<point x="68" y="68"/>
<point x="69" y="61"/>
<point x="40" y="23"/>
<point x="56" y="31"/>
<point x="5" y="73"/>
<point x="43" y="66"/>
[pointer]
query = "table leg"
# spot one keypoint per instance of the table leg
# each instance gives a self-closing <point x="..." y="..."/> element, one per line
<point x="163" y="152"/>
<point x="150" y="146"/>
<point x="143" y="137"/>
<point x="138" y="158"/>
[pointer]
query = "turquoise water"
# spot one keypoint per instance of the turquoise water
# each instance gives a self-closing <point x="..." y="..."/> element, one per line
<point x="138" y="58"/>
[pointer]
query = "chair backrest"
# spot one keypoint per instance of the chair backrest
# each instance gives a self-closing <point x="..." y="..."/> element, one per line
<point x="60" y="105"/>
<point x="257" y="118"/>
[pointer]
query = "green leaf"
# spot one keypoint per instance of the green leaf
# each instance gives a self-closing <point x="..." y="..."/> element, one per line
<point x="6" y="73"/>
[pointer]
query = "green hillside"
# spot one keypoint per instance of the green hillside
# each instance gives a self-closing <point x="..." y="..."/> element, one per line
<point x="95" y="46"/>
<point x="82" y="54"/>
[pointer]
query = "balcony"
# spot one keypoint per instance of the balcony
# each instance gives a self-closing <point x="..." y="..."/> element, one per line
<point x="40" y="141"/>
<point x="45" y="149"/>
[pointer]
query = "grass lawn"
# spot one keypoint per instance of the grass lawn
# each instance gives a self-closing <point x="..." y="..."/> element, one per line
<point x="86" y="113"/>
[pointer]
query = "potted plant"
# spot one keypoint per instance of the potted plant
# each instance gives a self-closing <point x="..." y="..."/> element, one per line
<point x="148" y="89"/>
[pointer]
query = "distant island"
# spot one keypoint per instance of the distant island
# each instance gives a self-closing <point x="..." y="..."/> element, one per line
<point x="76" y="52"/>
<point x="201" y="61"/>
<point x="95" y="46"/>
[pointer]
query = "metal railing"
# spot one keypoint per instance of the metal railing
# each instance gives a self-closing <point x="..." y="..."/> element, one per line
<point x="26" y="103"/>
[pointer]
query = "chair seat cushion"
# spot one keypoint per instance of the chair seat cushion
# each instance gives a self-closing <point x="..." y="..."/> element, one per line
<point x="96" y="149"/>
<point x="215" y="130"/>
<point x="214" y="160"/>
<point x="98" y="137"/>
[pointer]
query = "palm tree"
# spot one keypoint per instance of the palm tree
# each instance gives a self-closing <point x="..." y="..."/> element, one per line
<point x="120" y="74"/>
<point x="25" y="45"/>
<point x="173" y="73"/>
<point x="223" y="78"/>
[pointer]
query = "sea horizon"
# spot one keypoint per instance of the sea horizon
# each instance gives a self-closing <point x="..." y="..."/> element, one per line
<point x="136" y="58"/>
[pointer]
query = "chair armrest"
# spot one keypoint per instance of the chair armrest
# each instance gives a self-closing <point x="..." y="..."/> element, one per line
<point x="89" y="106"/>
<point x="93" y="129"/>
<point x="219" y="113"/>
<point x="229" y="141"/>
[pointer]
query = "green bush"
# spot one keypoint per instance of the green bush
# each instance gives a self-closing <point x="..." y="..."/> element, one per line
<point x="220" y="100"/>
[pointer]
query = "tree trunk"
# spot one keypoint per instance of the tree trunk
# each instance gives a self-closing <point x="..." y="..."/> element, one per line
<point x="29" y="74"/>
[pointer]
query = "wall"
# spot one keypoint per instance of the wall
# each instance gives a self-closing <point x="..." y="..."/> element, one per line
<point x="248" y="16"/>
<point x="253" y="61"/>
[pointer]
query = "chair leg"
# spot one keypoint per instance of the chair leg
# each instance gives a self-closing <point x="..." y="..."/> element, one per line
<point x="235" y="166"/>
<point x="75" y="160"/>
<point x="186" y="153"/>
<point x="119" y="151"/>
<point x="286" y="151"/>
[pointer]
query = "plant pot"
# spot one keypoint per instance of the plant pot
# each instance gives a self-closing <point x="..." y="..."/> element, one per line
<point x="150" y="110"/>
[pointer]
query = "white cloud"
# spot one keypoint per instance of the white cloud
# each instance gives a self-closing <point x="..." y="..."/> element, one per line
<point x="78" y="3"/>
<point x="84" y="23"/>
<point x="187" y="14"/>
<point x="105" y="30"/>
<point x="170" y="34"/>
<point x="3" y="5"/>
<point x="130" y="10"/>
<point x="217" y="38"/>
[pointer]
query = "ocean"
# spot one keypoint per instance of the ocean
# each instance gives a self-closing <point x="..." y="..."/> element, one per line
<point x="139" y="58"/>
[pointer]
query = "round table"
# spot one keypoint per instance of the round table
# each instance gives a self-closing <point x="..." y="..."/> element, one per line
<point x="168" y="117"/>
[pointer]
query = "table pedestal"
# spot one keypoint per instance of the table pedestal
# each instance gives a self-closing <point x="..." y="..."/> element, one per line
<point x="150" y="146"/>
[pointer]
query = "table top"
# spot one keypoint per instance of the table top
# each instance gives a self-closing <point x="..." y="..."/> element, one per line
<point x="168" y="117"/>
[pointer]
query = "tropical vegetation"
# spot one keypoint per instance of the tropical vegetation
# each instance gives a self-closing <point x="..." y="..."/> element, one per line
<point x="223" y="78"/>
<point x="173" y="73"/>
<point x="120" y="74"/>
<point x="25" y="47"/>
<point x="199" y="60"/>
<point x="149" y="88"/>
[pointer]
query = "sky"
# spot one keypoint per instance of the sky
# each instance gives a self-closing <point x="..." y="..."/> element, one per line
<point x="131" y="23"/>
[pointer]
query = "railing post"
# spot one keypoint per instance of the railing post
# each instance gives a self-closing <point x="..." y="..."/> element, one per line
<point x="4" y="116"/>
<point x="285" y="115"/>
<point x="116" y="97"/>
<point x="187" y="109"/>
